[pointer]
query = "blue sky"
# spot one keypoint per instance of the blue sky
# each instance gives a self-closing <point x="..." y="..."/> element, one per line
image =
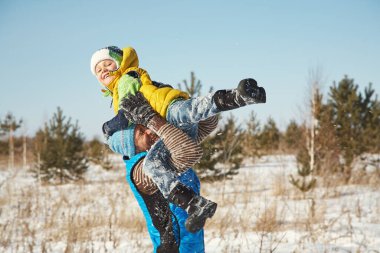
<point x="46" y="48"/>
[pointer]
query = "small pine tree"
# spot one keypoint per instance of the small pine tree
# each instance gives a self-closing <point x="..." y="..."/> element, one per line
<point x="370" y="114"/>
<point x="222" y="153"/>
<point x="326" y="155"/>
<point x="345" y="103"/>
<point x="356" y="118"/>
<point x="270" y="136"/>
<point x="305" y="180"/>
<point x="292" y="136"/>
<point x="195" y="86"/>
<point x="318" y="152"/>
<point x="228" y="150"/>
<point x="60" y="150"/>
<point x="97" y="153"/>
<point x="306" y="155"/>
<point x="251" y="143"/>
<point x="8" y="126"/>
<point x="205" y="169"/>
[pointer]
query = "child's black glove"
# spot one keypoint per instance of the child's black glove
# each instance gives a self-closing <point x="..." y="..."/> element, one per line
<point x="137" y="109"/>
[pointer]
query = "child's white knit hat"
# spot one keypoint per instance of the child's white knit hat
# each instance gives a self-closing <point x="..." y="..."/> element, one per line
<point x="108" y="53"/>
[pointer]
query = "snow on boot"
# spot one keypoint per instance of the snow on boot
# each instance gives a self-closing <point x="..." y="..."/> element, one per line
<point x="197" y="207"/>
<point x="246" y="93"/>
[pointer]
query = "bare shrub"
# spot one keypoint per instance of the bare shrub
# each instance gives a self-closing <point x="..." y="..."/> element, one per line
<point x="267" y="221"/>
<point x="279" y="185"/>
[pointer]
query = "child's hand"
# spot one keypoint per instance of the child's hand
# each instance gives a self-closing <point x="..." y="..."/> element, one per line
<point x="137" y="109"/>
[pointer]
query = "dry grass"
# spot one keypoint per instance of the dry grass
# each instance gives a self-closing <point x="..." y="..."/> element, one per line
<point x="35" y="218"/>
<point x="84" y="218"/>
<point x="279" y="185"/>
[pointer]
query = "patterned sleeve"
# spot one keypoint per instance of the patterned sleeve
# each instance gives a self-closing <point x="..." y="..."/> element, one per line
<point x="184" y="152"/>
<point x="143" y="183"/>
<point x="206" y="127"/>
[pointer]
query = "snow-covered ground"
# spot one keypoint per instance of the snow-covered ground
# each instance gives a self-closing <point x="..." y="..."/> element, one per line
<point x="258" y="211"/>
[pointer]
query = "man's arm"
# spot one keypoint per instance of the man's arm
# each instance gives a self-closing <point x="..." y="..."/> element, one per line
<point x="185" y="152"/>
<point x="143" y="183"/>
<point x="205" y="127"/>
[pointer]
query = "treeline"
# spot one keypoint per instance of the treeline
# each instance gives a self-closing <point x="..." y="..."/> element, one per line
<point x="57" y="153"/>
<point x="331" y="135"/>
<point x="334" y="131"/>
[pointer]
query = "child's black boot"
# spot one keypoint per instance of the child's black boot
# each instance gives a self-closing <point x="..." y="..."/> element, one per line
<point x="246" y="93"/>
<point x="197" y="207"/>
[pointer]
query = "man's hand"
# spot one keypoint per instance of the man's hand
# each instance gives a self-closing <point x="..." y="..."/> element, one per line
<point x="137" y="109"/>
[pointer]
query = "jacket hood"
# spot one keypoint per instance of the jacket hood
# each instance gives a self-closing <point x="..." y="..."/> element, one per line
<point x="130" y="60"/>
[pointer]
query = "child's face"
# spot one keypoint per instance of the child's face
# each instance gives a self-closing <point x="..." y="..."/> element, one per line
<point x="102" y="70"/>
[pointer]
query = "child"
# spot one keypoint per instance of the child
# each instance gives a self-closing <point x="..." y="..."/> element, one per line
<point x="117" y="70"/>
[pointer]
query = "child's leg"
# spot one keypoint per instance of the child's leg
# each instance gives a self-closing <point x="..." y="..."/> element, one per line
<point x="158" y="167"/>
<point x="183" y="113"/>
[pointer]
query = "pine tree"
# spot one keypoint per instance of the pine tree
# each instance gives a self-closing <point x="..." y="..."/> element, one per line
<point x="227" y="156"/>
<point x="356" y="118"/>
<point x="194" y="87"/>
<point x="270" y="136"/>
<point x="326" y="143"/>
<point x="305" y="182"/>
<point x="59" y="150"/>
<point x="205" y="169"/>
<point x="8" y="126"/>
<point x="319" y="150"/>
<point x="306" y="155"/>
<point x="292" y="136"/>
<point x="251" y="143"/>
<point x="370" y="114"/>
<point x="97" y="153"/>
<point x="345" y="103"/>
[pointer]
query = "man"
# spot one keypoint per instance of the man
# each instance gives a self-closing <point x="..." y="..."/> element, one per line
<point x="137" y="110"/>
<point x="166" y="222"/>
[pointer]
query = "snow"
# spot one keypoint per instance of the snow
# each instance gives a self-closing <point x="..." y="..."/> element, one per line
<point x="258" y="211"/>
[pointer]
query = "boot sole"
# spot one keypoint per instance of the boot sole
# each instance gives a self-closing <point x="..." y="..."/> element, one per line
<point x="212" y="210"/>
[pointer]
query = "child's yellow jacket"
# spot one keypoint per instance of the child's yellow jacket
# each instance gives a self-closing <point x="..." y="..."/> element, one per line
<point x="123" y="85"/>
